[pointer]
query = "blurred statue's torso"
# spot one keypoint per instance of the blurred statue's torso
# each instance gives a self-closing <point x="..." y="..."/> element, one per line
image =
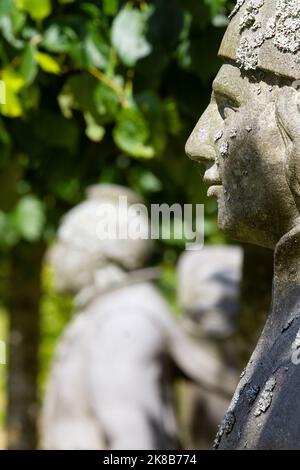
<point x="110" y="384"/>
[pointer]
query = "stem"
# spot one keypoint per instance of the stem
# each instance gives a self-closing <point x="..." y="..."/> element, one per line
<point x="110" y="83"/>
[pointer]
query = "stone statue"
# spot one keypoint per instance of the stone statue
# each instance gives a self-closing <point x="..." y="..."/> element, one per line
<point x="208" y="294"/>
<point x="248" y="138"/>
<point x="111" y="381"/>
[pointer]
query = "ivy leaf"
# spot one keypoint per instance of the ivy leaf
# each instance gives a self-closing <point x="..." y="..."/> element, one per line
<point x="28" y="67"/>
<point x="59" y="38"/>
<point x="7" y="30"/>
<point x="94" y="131"/>
<point x="29" y="218"/>
<point x="132" y="133"/>
<point x="87" y="53"/>
<point x="14" y="82"/>
<point x="129" y="35"/>
<point x="37" y="9"/>
<point x="107" y="102"/>
<point x="78" y="93"/>
<point x="47" y="63"/>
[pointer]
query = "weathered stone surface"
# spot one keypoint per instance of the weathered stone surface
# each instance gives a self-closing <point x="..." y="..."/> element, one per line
<point x="265" y="34"/>
<point x="258" y="191"/>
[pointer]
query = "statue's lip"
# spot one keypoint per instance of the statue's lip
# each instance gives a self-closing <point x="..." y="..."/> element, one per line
<point x="214" y="190"/>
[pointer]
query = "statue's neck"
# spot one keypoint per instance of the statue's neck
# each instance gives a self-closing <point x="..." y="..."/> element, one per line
<point x="287" y="264"/>
<point x="112" y="278"/>
<point x="286" y="287"/>
<point x="285" y="300"/>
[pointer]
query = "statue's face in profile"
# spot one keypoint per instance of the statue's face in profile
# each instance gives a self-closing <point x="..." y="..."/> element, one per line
<point x="71" y="270"/>
<point x="239" y="140"/>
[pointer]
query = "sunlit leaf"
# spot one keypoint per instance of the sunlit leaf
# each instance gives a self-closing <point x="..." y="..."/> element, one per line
<point x="93" y="130"/>
<point x="129" y="35"/>
<point x="29" y="218"/>
<point x="37" y="9"/>
<point x="47" y="63"/>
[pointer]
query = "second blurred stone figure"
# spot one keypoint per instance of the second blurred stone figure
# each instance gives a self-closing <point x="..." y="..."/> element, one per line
<point x="208" y="293"/>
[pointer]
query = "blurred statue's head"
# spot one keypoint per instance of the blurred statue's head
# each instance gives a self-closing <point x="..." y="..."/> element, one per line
<point x="209" y="290"/>
<point x="89" y="248"/>
<point x="240" y="136"/>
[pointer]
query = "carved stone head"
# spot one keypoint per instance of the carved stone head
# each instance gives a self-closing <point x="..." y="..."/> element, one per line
<point x="244" y="137"/>
<point x="83" y="255"/>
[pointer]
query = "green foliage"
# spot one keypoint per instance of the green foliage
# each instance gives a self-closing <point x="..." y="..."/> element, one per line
<point x="91" y="84"/>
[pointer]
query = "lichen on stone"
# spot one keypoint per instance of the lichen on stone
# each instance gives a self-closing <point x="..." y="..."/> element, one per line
<point x="233" y="133"/>
<point x="266" y="397"/>
<point x="287" y="28"/>
<point x="251" y="393"/>
<point x="238" y="5"/>
<point x="224" y="149"/>
<point x="225" y="427"/>
<point x="296" y="342"/>
<point x="247" y="54"/>
<point x="218" y="136"/>
<point x="270" y="28"/>
<point x="283" y="28"/>
<point x="247" y="21"/>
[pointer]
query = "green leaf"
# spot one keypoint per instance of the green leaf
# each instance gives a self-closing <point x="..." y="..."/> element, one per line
<point x="14" y="82"/>
<point x="28" y="68"/>
<point x="90" y="51"/>
<point x="29" y="218"/>
<point x="129" y="35"/>
<point x="59" y="38"/>
<point x="78" y="93"/>
<point x="110" y="7"/>
<point x="13" y="107"/>
<point x="107" y="102"/>
<point x="7" y="30"/>
<point x="132" y="133"/>
<point x="94" y="131"/>
<point x="37" y="9"/>
<point x="47" y="63"/>
<point x="150" y="105"/>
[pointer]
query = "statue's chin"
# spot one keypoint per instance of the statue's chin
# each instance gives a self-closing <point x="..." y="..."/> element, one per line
<point x="238" y="231"/>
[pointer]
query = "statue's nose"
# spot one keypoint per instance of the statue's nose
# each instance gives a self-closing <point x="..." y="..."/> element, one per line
<point x="200" y="145"/>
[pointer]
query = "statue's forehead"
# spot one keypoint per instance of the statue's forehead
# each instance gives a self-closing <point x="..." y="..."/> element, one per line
<point x="265" y="34"/>
<point x="231" y="83"/>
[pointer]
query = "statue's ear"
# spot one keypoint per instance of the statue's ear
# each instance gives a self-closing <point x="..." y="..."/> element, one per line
<point x="288" y="113"/>
<point x="288" y="120"/>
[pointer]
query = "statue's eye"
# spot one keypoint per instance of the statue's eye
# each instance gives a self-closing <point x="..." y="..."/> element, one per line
<point x="226" y="106"/>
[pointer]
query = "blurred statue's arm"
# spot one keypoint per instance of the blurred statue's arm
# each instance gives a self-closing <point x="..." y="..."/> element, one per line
<point x="200" y="364"/>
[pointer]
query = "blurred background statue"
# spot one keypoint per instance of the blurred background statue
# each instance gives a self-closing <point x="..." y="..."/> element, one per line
<point x="111" y="382"/>
<point x="209" y="294"/>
